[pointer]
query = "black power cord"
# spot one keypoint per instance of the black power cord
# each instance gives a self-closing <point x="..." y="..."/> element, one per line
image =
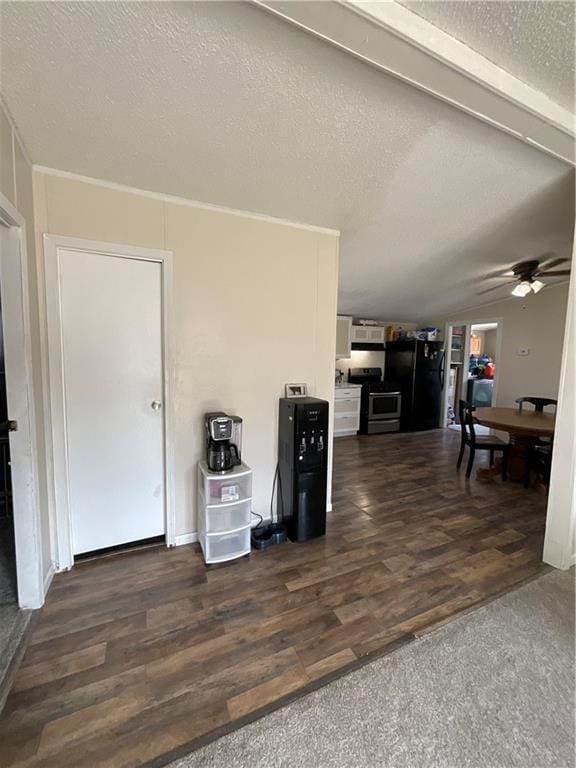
<point x="279" y="518"/>
<point x="261" y="520"/>
<point x="278" y="480"/>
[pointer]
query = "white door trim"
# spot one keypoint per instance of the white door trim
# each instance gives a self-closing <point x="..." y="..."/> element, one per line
<point x="27" y="524"/>
<point x="52" y="245"/>
<point x="466" y="354"/>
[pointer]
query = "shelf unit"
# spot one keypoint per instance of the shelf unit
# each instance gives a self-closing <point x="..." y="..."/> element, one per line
<point x="224" y="512"/>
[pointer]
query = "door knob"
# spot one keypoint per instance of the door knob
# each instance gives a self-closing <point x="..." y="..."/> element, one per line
<point x="155" y="405"/>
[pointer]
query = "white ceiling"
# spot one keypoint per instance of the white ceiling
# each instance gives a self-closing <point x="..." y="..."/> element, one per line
<point x="531" y="39"/>
<point x="223" y="103"/>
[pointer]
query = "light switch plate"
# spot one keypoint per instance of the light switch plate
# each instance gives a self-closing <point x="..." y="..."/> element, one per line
<point x="523" y="351"/>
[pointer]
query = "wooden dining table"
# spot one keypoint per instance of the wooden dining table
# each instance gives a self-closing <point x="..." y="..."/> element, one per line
<point x="523" y="426"/>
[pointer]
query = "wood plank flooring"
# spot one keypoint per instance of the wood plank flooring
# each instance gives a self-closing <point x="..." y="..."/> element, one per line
<point x="140" y="657"/>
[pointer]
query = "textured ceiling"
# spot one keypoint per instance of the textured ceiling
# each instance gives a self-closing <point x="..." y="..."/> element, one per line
<point x="223" y="103"/>
<point x="531" y="39"/>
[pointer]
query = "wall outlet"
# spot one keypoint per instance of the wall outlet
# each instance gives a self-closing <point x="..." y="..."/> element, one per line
<point x="523" y="351"/>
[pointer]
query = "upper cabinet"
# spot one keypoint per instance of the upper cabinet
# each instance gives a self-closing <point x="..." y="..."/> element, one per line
<point x="343" y="336"/>
<point x="347" y="335"/>
<point x="368" y="334"/>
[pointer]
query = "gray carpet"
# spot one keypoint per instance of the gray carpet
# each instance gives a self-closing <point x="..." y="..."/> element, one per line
<point x="492" y="689"/>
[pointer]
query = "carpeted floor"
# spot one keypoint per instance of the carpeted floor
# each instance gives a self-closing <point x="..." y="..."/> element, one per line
<point x="492" y="689"/>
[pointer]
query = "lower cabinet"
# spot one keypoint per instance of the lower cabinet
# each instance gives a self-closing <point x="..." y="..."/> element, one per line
<point x="346" y="411"/>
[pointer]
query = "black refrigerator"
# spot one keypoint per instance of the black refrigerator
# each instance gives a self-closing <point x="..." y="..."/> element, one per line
<point x="417" y="367"/>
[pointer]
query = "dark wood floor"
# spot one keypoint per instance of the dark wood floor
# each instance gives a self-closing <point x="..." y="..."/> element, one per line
<point x="142" y="656"/>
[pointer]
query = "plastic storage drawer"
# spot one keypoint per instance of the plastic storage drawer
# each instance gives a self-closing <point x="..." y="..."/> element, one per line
<point x="226" y="546"/>
<point x="228" y="517"/>
<point x="226" y="488"/>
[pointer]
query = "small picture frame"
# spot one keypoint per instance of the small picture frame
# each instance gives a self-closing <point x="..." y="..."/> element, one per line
<point x="295" y="390"/>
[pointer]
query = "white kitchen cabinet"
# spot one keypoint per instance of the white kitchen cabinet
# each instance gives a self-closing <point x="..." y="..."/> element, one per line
<point x="368" y="334"/>
<point x="347" y="410"/>
<point x="343" y="336"/>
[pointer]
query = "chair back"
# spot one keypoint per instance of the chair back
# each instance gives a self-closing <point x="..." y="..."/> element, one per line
<point x="539" y="403"/>
<point x="465" y="411"/>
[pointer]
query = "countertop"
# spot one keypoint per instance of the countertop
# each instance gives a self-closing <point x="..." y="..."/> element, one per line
<point x="348" y="386"/>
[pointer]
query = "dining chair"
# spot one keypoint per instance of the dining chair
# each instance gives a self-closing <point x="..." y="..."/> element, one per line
<point x="540" y="462"/>
<point x="478" y="442"/>
<point x="539" y="403"/>
<point x="535" y="458"/>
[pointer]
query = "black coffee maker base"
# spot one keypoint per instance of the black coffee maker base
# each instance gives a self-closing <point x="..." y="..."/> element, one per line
<point x="264" y="537"/>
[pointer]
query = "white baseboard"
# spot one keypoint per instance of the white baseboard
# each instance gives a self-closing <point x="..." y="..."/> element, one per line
<point x="191" y="538"/>
<point x="573" y="560"/>
<point x="48" y="578"/>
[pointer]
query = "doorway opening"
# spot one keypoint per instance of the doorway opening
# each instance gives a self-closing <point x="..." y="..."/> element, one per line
<point x="473" y="352"/>
<point x="482" y="364"/>
<point x="8" y="584"/>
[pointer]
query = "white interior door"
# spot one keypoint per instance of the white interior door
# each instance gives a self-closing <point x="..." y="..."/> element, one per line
<point x="27" y="532"/>
<point x="111" y="332"/>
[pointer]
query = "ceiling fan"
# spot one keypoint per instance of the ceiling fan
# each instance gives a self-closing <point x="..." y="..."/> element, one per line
<point x="525" y="275"/>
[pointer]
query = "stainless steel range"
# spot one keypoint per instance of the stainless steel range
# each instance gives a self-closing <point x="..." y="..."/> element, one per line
<point x="380" y="403"/>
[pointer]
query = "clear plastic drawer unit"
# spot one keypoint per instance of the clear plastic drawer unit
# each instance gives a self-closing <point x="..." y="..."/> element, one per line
<point x="224" y="512"/>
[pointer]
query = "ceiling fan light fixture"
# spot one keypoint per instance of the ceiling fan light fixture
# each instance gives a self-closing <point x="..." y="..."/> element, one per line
<point x="522" y="289"/>
<point x="537" y="285"/>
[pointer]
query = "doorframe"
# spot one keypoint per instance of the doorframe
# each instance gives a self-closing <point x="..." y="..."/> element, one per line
<point x="466" y="355"/>
<point x="53" y="244"/>
<point x="24" y="469"/>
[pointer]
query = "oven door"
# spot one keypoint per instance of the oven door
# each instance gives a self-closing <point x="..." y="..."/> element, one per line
<point x="384" y="405"/>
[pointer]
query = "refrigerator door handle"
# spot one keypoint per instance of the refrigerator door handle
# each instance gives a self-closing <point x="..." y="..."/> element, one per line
<point x="441" y="369"/>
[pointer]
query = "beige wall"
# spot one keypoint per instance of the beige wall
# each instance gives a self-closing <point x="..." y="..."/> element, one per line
<point x="488" y="341"/>
<point x="490" y="338"/>
<point x="560" y="539"/>
<point x="245" y="320"/>
<point x="16" y="186"/>
<point x="536" y="322"/>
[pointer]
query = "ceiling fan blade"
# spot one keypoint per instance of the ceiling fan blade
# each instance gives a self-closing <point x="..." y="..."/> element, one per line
<point x="546" y="265"/>
<point x="495" y="287"/>
<point x="499" y="274"/>
<point x="554" y="273"/>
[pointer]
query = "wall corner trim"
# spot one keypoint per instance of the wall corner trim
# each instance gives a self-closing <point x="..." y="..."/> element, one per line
<point x="15" y="132"/>
<point x="48" y="578"/>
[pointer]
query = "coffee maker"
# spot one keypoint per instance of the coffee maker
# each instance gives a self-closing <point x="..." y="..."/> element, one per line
<point x="223" y="441"/>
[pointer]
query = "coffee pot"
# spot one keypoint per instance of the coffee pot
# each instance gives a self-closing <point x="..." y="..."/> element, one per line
<point x="223" y="441"/>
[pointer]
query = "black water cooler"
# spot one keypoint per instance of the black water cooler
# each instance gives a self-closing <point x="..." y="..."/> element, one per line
<point x="303" y="466"/>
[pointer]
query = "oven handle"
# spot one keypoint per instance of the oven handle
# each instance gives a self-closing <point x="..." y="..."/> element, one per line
<point x="385" y="394"/>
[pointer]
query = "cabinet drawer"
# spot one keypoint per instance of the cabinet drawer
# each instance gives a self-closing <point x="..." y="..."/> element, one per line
<point x="347" y="405"/>
<point x="342" y="393"/>
<point x="348" y="424"/>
